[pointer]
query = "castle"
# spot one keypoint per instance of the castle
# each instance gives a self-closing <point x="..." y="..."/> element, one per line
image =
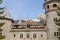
<point x="48" y="29"/>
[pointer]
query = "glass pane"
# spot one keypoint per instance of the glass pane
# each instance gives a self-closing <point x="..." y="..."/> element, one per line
<point x="14" y="35"/>
<point x="21" y="35"/>
<point x="28" y="35"/>
<point x="54" y="33"/>
<point x="34" y="35"/>
<point x="59" y="33"/>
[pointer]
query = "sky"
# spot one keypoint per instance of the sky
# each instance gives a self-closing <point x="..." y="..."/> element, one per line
<point x="24" y="9"/>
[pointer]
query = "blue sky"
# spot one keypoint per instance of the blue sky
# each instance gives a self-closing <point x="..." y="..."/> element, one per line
<point x="25" y="9"/>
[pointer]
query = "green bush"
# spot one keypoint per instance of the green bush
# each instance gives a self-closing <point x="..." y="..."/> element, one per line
<point x="1" y="24"/>
<point x="1" y="37"/>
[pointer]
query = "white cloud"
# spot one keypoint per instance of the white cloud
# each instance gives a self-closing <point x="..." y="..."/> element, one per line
<point x="41" y="16"/>
<point x="36" y="20"/>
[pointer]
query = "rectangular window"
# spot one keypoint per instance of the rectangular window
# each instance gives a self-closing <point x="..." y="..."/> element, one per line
<point x="21" y="35"/>
<point x="55" y="34"/>
<point x="34" y="35"/>
<point x="58" y="29"/>
<point x="58" y="33"/>
<point x="14" y="35"/>
<point x="28" y="36"/>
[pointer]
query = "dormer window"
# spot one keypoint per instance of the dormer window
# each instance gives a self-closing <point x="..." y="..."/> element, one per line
<point x="28" y="25"/>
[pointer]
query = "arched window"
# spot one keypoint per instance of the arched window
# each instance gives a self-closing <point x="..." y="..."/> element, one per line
<point x="21" y="35"/>
<point x="28" y="35"/>
<point x="48" y="7"/>
<point x="14" y="35"/>
<point x="34" y="35"/>
<point x="54" y="5"/>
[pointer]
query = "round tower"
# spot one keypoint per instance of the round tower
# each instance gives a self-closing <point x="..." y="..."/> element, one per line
<point x="51" y="7"/>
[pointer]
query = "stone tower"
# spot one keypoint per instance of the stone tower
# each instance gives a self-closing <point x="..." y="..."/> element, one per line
<point x="52" y="16"/>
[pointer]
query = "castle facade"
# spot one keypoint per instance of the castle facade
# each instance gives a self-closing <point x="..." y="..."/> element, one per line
<point x="48" y="29"/>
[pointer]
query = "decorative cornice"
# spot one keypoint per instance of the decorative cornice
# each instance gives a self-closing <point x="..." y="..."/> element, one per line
<point x="28" y="30"/>
<point x="51" y="1"/>
<point x="50" y="10"/>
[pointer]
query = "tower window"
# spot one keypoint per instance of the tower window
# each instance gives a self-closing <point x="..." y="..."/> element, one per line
<point x="48" y="7"/>
<point x="54" y="5"/>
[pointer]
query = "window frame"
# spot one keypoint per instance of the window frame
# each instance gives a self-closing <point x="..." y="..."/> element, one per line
<point x="14" y="35"/>
<point x="48" y="6"/>
<point x="21" y="35"/>
<point x="54" y="5"/>
<point x="34" y="35"/>
<point x="27" y="35"/>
